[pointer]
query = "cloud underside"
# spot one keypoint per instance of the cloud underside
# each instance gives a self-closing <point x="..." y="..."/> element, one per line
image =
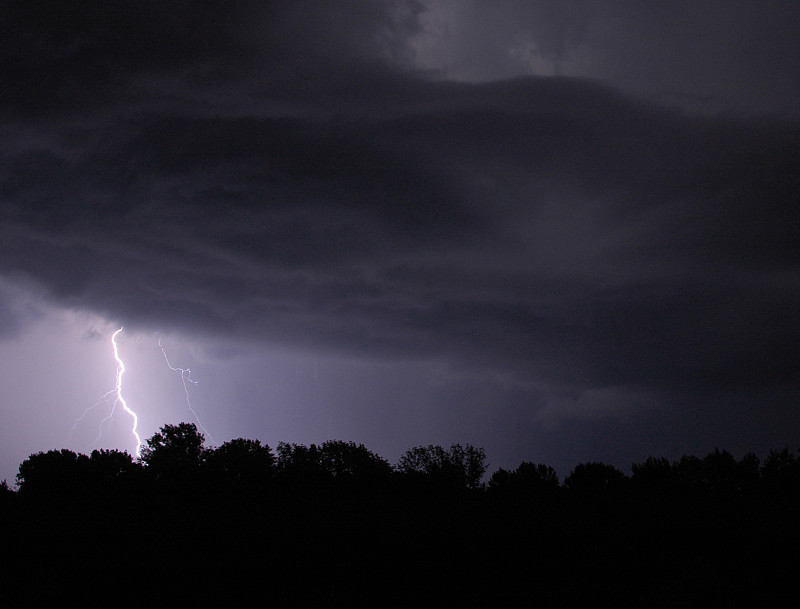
<point x="550" y="227"/>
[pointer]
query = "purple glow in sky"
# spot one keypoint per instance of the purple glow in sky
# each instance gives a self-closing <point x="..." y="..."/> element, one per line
<point x="562" y="231"/>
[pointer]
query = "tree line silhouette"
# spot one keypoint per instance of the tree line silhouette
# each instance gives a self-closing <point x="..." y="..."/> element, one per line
<point x="336" y="525"/>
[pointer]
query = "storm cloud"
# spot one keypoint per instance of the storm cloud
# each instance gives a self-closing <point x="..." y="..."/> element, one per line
<point x="320" y="176"/>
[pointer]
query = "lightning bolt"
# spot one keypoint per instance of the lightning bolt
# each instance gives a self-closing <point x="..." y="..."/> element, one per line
<point x="118" y="399"/>
<point x="186" y="375"/>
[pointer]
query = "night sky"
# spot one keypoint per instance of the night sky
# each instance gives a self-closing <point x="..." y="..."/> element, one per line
<point x="560" y="231"/>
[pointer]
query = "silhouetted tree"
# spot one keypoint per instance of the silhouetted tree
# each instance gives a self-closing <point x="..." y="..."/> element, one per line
<point x="781" y="474"/>
<point x="175" y="452"/>
<point x="720" y="474"/>
<point x="55" y="471"/>
<point x="7" y="494"/>
<point x="595" y="479"/>
<point x="460" y="466"/>
<point x="500" y="479"/>
<point x="110" y="473"/>
<point x="353" y="461"/>
<point x="298" y="462"/>
<point x="655" y="479"/>
<point x="653" y="471"/>
<point x="332" y="460"/>
<point x="241" y="461"/>
<point x="108" y="466"/>
<point x="689" y="472"/>
<point x="748" y="474"/>
<point x="529" y="479"/>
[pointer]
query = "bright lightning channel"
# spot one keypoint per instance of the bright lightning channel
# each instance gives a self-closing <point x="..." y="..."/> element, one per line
<point x="186" y="375"/>
<point x="118" y="399"/>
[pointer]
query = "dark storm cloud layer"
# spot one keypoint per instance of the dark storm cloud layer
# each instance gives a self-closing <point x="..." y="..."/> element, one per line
<point x="741" y="55"/>
<point x="67" y="56"/>
<point x="268" y="172"/>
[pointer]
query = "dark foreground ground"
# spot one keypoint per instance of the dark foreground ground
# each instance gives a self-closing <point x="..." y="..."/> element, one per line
<point x="658" y="539"/>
